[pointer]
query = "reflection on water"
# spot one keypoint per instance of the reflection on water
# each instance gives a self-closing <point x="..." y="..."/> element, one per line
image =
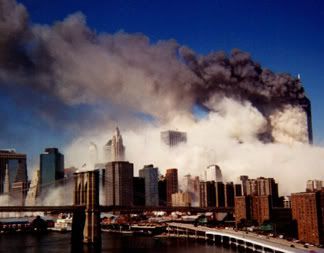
<point x="111" y="243"/>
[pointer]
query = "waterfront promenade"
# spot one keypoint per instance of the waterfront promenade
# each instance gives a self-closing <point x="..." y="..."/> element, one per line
<point x="239" y="238"/>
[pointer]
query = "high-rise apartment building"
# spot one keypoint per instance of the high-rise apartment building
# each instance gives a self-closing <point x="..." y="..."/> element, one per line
<point x="15" y="165"/>
<point x="119" y="183"/>
<point x="51" y="167"/>
<point x="171" y="177"/>
<point x="173" y="138"/>
<point x="114" y="150"/>
<point x="151" y="177"/>
<point x="308" y="212"/>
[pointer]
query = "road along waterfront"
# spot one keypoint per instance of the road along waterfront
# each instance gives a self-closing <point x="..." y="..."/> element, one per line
<point x="237" y="238"/>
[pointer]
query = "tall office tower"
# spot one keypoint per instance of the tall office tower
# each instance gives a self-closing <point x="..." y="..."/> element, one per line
<point x="114" y="150"/>
<point x="51" y="168"/>
<point x="34" y="189"/>
<point x="93" y="154"/>
<point x="314" y="185"/>
<point x="119" y="183"/>
<point x="220" y="194"/>
<point x="15" y="163"/>
<point x="173" y="138"/>
<point x="151" y="177"/>
<point x="139" y="191"/>
<point x="171" y="184"/>
<point x="213" y="173"/>
<point x="244" y="180"/>
<point x="207" y="194"/>
<point x="308" y="212"/>
<point x="229" y="194"/>
<point x="162" y="191"/>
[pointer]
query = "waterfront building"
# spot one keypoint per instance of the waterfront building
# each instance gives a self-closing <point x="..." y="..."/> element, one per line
<point x="308" y="212"/>
<point x="243" y="208"/>
<point x="51" y="167"/>
<point x="114" y="150"/>
<point x="173" y="138"/>
<point x="181" y="199"/>
<point x="150" y="175"/>
<point x="261" y="208"/>
<point x="119" y="183"/>
<point x="171" y="177"/>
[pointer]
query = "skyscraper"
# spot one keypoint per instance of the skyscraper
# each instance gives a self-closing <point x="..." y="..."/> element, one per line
<point x="34" y="190"/>
<point x="15" y="165"/>
<point x="51" y="167"/>
<point x="314" y="185"/>
<point x="151" y="177"/>
<point x="114" y="150"/>
<point x="139" y="191"/>
<point x="162" y="191"/>
<point x="173" y="138"/>
<point x="171" y="177"/>
<point x="213" y="173"/>
<point x="207" y="192"/>
<point x="119" y="183"/>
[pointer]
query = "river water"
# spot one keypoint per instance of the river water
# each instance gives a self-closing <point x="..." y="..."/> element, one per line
<point x="53" y="242"/>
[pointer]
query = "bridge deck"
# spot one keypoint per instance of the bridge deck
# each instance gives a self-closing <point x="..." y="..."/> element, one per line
<point x="125" y="209"/>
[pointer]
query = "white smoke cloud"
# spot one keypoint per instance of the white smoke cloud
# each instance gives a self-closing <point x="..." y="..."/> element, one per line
<point x="227" y="137"/>
<point x="289" y="125"/>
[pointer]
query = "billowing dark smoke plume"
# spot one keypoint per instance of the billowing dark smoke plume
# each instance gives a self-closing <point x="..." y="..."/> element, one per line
<point x="72" y="65"/>
<point x="238" y="75"/>
<point x="74" y="80"/>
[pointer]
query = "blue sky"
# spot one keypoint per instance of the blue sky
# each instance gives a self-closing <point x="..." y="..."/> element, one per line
<point x="285" y="36"/>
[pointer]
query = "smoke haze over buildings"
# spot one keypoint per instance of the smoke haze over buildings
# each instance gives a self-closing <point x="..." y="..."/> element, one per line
<point x="254" y="121"/>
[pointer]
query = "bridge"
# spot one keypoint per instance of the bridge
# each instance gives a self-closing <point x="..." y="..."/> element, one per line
<point x="86" y="208"/>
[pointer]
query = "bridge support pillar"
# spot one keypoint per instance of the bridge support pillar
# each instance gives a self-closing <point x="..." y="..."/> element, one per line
<point x="86" y="194"/>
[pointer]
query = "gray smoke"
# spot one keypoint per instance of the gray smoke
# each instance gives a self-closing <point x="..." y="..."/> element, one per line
<point x="68" y="64"/>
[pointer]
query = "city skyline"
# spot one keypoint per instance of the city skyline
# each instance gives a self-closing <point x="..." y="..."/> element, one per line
<point x="146" y="86"/>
